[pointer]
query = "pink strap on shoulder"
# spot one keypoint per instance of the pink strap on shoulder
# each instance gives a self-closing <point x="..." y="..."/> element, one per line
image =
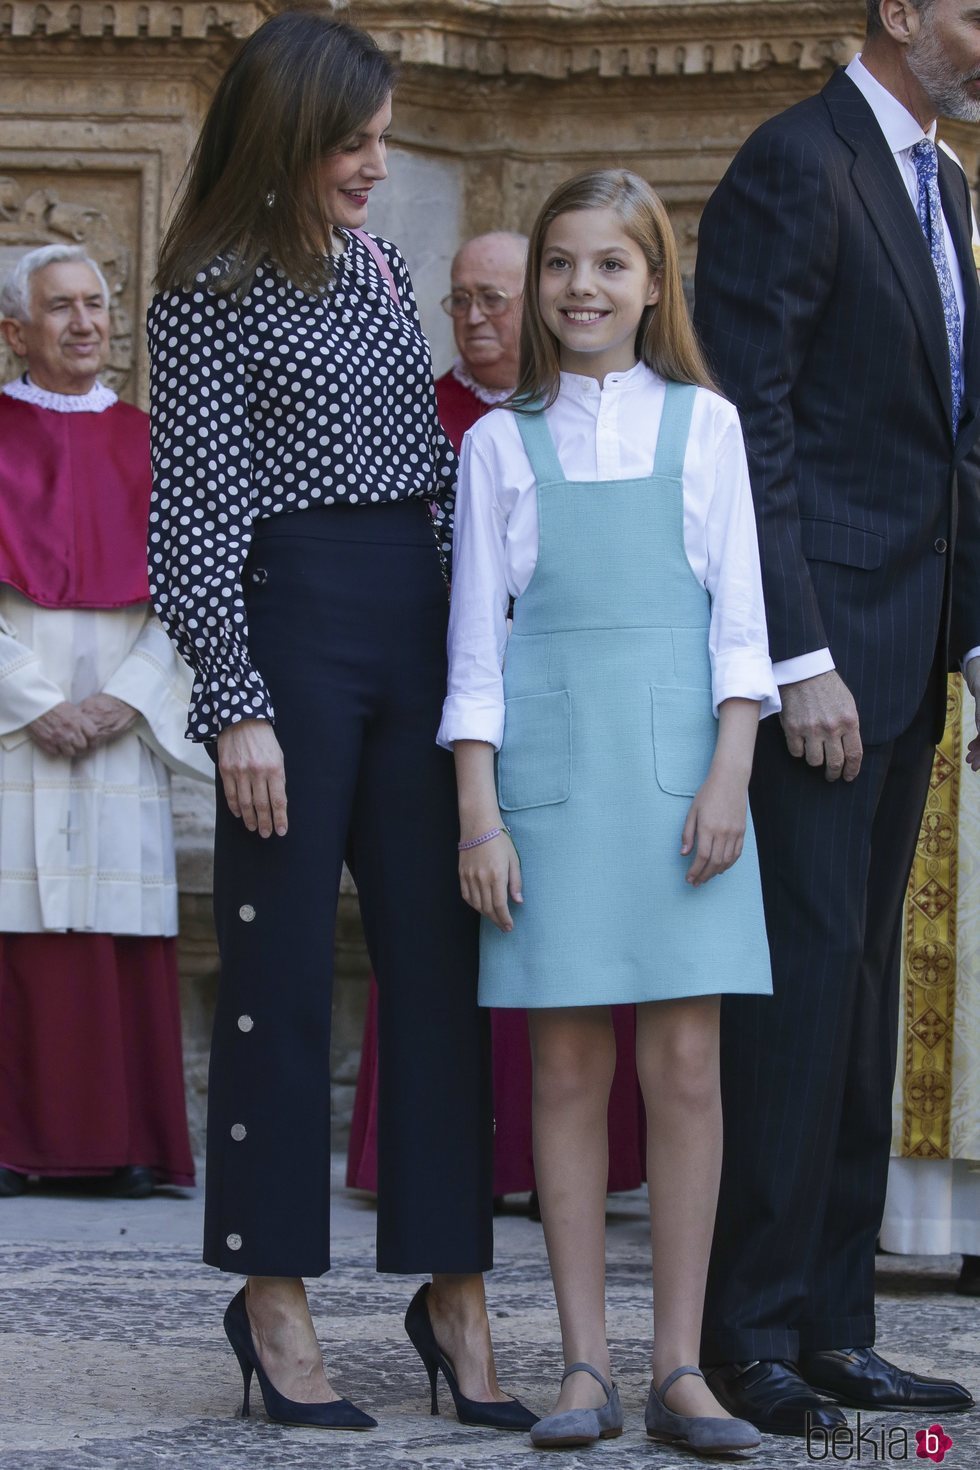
<point x="382" y="264"/>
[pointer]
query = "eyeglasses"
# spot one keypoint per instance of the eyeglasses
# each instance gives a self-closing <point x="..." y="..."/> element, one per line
<point x="490" y="301"/>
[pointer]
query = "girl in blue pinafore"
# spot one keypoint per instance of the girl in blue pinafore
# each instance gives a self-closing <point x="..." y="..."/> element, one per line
<point x="608" y="845"/>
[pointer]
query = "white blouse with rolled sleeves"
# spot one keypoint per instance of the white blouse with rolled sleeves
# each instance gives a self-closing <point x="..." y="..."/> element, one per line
<point x="600" y="433"/>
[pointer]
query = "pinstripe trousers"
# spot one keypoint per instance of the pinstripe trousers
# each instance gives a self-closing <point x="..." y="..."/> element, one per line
<point x="807" y="1075"/>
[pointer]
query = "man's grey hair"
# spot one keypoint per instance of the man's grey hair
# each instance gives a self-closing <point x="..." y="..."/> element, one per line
<point x="15" y="293"/>
<point x="874" y="13"/>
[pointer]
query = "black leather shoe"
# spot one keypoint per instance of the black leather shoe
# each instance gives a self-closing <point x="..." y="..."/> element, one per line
<point x="11" y="1183"/>
<point x="861" y="1379"/>
<point x="133" y="1181"/>
<point x="968" y="1281"/>
<point x="771" y="1395"/>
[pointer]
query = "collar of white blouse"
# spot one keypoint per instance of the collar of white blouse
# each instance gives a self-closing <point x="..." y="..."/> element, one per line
<point x="587" y="389"/>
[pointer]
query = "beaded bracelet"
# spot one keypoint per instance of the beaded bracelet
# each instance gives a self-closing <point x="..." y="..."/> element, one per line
<point x="478" y="841"/>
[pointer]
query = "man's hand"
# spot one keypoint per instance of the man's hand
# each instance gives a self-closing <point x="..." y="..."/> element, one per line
<point x="110" y="716"/>
<point x="65" y="730"/>
<point x="253" y="775"/>
<point x="971" y="678"/>
<point x="820" y="721"/>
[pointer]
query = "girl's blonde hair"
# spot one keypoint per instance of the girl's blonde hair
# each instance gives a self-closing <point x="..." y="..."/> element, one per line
<point x="665" y="338"/>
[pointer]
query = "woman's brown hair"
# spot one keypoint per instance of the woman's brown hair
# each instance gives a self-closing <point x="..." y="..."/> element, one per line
<point x="300" y="87"/>
<point x="665" y="338"/>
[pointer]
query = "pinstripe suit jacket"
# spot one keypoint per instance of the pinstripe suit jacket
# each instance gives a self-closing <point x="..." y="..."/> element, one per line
<point x="819" y="308"/>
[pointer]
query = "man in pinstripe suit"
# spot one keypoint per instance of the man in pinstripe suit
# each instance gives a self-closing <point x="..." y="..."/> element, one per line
<point x="837" y="299"/>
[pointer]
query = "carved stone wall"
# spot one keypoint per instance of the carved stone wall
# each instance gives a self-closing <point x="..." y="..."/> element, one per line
<point x="99" y="210"/>
<point x="100" y="105"/>
<point x="99" y="109"/>
<point x="499" y="99"/>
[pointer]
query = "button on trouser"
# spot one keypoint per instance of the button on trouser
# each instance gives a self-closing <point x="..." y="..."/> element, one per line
<point x="351" y="639"/>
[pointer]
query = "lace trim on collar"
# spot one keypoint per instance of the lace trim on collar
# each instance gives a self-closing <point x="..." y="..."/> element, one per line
<point x="96" y="400"/>
<point x="485" y="395"/>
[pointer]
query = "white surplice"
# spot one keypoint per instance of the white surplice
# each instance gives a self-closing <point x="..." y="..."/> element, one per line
<point x="87" y="844"/>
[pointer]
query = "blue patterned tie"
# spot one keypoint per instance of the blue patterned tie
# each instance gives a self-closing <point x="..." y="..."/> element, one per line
<point x="926" y="160"/>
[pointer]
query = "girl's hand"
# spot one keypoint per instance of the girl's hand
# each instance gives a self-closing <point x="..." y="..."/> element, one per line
<point x="715" y="826"/>
<point x="253" y="775"/>
<point x="487" y="875"/>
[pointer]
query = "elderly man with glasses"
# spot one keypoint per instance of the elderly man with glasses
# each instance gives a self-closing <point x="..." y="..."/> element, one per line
<point x="485" y="305"/>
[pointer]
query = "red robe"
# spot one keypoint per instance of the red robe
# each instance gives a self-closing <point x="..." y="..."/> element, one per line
<point x="458" y="407"/>
<point x="513" y="1163"/>
<point x="74" y="503"/>
<point x="91" y="1070"/>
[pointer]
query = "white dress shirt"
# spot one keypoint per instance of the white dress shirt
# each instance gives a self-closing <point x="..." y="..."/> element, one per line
<point x="600" y="433"/>
<point x="902" y="131"/>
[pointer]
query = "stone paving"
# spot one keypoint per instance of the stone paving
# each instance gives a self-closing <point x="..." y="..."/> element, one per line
<point x="112" y="1355"/>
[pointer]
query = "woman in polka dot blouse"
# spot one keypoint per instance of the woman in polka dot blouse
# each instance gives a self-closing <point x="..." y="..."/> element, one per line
<point x="301" y="487"/>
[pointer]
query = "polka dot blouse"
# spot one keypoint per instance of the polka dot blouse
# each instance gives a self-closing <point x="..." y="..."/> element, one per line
<point x="271" y="405"/>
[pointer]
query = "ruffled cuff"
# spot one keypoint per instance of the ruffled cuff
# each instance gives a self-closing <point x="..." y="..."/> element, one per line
<point x="227" y="689"/>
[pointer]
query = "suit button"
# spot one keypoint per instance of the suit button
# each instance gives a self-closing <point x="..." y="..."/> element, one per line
<point x="238" y="1131"/>
<point x="246" y="913"/>
<point x="245" y="1023"/>
<point x="941" y="545"/>
<point x="233" y="1242"/>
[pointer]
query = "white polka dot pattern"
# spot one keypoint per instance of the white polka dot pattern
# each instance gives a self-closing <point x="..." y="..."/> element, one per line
<point x="275" y="404"/>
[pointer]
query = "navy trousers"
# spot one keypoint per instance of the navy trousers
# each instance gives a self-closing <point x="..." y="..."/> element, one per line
<point x="807" y="1074"/>
<point x="347" y="613"/>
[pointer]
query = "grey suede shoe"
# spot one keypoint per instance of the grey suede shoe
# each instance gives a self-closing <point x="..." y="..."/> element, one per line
<point x="700" y="1433"/>
<point x="580" y="1426"/>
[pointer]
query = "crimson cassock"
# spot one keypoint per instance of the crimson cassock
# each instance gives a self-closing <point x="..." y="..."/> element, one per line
<point x="513" y="1164"/>
<point x="91" y="1075"/>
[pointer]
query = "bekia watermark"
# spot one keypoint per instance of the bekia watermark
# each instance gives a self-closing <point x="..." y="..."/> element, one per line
<point x="876" y="1442"/>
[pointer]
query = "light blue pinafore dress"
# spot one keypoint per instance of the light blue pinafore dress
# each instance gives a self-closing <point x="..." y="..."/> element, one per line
<point x="608" y="734"/>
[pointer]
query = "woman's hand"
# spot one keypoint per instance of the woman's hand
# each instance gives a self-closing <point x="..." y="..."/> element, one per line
<point x="715" y="827"/>
<point x="253" y="776"/>
<point x="488" y="874"/>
